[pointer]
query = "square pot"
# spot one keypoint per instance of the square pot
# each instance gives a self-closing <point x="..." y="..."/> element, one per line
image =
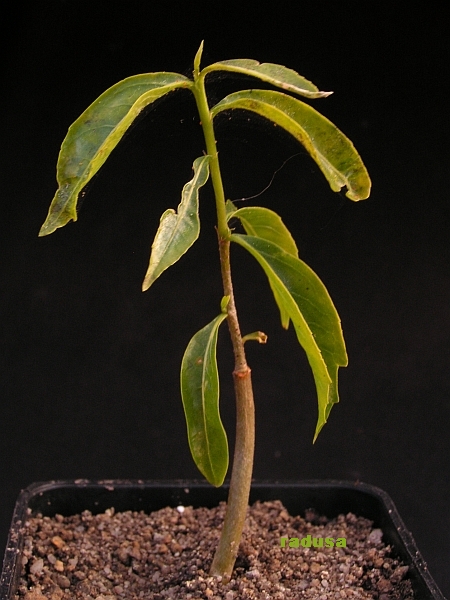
<point x="326" y="497"/>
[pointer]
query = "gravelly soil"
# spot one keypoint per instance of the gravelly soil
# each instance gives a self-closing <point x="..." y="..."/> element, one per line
<point x="167" y="554"/>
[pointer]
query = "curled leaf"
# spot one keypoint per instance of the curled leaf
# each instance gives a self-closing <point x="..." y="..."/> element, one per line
<point x="95" y="134"/>
<point x="329" y="147"/>
<point x="277" y="75"/>
<point x="178" y="230"/>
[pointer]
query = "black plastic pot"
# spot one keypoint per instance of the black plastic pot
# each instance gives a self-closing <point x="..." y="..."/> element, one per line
<point x="327" y="497"/>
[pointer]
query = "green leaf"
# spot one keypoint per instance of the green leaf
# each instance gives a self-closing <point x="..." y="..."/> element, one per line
<point x="178" y="230"/>
<point x="266" y="224"/>
<point x="95" y="134"/>
<point x="330" y="148"/>
<point x="200" y="394"/>
<point x="277" y="75"/>
<point x="308" y="304"/>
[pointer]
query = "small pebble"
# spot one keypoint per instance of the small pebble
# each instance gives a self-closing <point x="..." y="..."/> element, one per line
<point x="37" y="566"/>
<point x="375" y="536"/>
<point x="315" y="567"/>
<point x="63" y="581"/>
<point x="59" y="566"/>
<point x="399" y="573"/>
<point x="57" y="541"/>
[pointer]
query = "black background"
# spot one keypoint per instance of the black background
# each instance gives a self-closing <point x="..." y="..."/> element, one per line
<point x="89" y="365"/>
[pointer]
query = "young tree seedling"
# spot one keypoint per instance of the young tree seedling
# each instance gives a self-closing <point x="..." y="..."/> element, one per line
<point x="300" y="295"/>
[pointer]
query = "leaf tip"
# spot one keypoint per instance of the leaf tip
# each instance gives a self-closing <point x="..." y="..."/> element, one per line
<point x="318" y="430"/>
<point x="62" y="210"/>
<point x="216" y="481"/>
<point x="46" y="230"/>
<point x="54" y="222"/>
<point x="325" y="94"/>
<point x="360" y="190"/>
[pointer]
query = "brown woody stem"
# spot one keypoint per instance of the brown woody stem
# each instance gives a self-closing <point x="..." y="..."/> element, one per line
<point x="241" y="476"/>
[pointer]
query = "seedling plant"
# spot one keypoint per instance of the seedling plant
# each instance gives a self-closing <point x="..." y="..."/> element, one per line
<point x="300" y="295"/>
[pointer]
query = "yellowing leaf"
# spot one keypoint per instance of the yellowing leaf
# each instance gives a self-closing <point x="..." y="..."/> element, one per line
<point x="95" y="134"/>
<point x="178" y="230"/>
<point x="306" y="301"/>
<point x="330" y="148"/>
<point x="266" y="224"/>
<point x="277" y="75"/>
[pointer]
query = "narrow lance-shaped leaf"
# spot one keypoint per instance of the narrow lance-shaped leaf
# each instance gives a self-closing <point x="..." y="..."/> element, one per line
<point x="266" y="224"/>
<point x="277" y="75"/>
<point x="200" y="394"/>
<point x="178" y="230"/>
<point x="95" y="134"/>
<point x="329" y="147"/>
<point x="308" y="304"/>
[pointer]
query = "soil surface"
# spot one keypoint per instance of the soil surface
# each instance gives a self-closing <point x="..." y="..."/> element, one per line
<point x="167" y="554"/>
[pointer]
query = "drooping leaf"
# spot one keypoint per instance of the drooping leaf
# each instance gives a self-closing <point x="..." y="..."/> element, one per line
<point x="178" y="230"/>
<point x="277" y="75"/>
<point x="267" y="225"/>
<point x="329" y="147"/>
<point x="308" y="304"/>
<point x="94" y="135"/>
<point x="200" y="394"/>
